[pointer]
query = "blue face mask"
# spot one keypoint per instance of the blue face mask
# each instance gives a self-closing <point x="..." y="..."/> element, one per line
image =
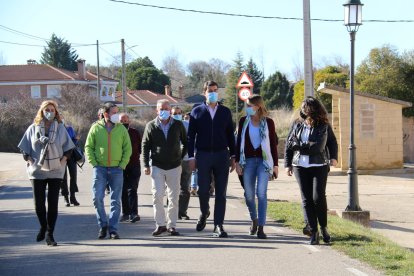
<point x="49" y="115"/>
<point x="164" y="115"/>
<point x="212" y="97"/>
<point x="178" y="117"/>
<point x="250" y="111"/>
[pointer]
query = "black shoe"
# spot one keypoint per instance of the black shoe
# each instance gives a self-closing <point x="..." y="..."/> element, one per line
<point x="219" y="232"/>
<point x="253" y="227"/>
<point x="114" y="235"/>
<point x="74" y="201"/>
<point x="202" y="221"/>
<point x="159" y="230"/>
<point x="314" y="239"/>
<point x="261" y="234"/>
<point x="50" y="240"/>
<point x="173" y="232"/>
<point x="124" y="218"/>
<point x="306" y="230"/>
<point x="102" y="233"/>
<point x="183" y="217"/>
<point x="67" y="203"/>
<point x="41" y="235"/>
<point x="134" y="218"/>
<point x="325" y="235"/>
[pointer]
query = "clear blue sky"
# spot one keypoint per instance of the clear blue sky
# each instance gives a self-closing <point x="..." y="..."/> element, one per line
<point x="273" y="44"/>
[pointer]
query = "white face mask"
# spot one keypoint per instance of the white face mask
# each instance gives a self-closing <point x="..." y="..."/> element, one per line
<point x="115" y="118"/>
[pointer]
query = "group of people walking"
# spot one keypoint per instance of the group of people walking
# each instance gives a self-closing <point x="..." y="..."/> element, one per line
<point x="172" y="149"/>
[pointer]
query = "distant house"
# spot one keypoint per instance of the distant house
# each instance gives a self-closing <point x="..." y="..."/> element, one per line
<point x="43" y="81"/>
<point x="142" y="101"/>
<point x="200" y="98"/>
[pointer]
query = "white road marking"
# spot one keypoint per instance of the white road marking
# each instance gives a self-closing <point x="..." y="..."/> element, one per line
<point x="311" y="247"/>
<point x="356" y="271"/>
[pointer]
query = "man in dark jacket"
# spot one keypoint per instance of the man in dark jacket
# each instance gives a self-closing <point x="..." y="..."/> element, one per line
<point x="132" y="173"/>
<point x="162" y="143"/>
<point x="210" y="133"/>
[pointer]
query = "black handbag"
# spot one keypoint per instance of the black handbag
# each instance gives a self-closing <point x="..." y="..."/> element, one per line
<point x="79" y="156"/>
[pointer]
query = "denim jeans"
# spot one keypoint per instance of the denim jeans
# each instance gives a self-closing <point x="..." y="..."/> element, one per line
<point x="194" y="180"/>
<point x="113" y="176"/>
<point x="255" y="170"/>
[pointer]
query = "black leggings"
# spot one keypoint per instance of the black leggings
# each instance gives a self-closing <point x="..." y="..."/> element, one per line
<point x="47" y="219"/>
<point x="312" y="183"/>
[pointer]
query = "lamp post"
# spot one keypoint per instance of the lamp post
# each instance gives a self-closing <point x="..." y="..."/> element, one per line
<point x="353" y="19"/>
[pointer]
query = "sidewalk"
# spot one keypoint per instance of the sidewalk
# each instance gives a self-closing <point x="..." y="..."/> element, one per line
<point x="388" y="197"/>
<point x="79" y="252"/>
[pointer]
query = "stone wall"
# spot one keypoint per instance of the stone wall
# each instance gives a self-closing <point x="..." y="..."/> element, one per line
<point x="377" y="133"/>
<point x="408" y="139"/>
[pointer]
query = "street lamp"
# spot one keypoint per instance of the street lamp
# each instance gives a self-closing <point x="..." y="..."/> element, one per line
<point x="352" y="21"/>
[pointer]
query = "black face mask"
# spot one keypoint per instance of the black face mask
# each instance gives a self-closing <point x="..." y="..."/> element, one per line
<point x="126" y="125"/>
<point x="302" y="115"/>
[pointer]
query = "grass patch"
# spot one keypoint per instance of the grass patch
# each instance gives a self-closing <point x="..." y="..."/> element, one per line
<point x="352" y="239"/>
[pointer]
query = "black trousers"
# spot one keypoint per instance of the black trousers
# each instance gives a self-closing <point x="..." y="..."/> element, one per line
<point x="47" y="219"/>
<point x="185" y="181"/>
<point x="312" y="183"/>
<point x="73" y="173"/>
<point x="216" y="164"/>
<point x="130" y="190"/>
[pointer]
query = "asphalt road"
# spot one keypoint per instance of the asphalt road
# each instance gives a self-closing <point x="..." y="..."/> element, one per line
<point x="79" y="252"/>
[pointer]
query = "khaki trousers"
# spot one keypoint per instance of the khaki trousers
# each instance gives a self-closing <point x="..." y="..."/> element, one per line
<point x="161" y="180"/>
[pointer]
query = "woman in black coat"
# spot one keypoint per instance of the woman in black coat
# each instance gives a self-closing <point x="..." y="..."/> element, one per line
<point x="306" y="157"/>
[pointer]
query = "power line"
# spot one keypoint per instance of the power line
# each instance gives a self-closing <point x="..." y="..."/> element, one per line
<point x="45" y="39"/>
<point x="253" y="16"/>
<point x="22" y="44"/>
<point x="130" y="49"/>
<point x="22" y="33"/>
<point x="115" y="58"/>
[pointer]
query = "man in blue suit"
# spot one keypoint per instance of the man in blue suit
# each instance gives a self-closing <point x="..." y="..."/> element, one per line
<point x="210" y="134"/>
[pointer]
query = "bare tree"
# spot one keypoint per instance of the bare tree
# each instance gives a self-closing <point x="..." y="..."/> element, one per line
<point x="297" y="71"/>
<point x="175" y="70"/>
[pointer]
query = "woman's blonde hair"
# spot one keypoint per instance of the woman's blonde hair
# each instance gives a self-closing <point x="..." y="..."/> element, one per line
<point x="257" y="100"/>
<point x="39" y="115"/>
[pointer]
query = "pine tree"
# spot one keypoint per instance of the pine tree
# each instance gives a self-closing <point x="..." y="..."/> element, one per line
<point x="59" y="53"/>
<point x="255" y="75"/>
<point x="232" y="78"/>
<point x="276" y="91"/>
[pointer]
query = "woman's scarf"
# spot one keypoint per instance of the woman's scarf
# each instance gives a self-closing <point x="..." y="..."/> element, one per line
<point x="264" y="143"/>
<point x="49" y="156"/>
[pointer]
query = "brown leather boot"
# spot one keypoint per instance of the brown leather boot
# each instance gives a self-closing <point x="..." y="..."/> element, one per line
<point x="260" y="233"/>
<point x="253" y="227"/>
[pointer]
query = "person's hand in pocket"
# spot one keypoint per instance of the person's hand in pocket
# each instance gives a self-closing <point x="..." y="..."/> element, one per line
<point x="63" y="161"/>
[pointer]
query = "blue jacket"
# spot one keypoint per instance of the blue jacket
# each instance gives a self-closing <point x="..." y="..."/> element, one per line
<point x="205" y="134"/>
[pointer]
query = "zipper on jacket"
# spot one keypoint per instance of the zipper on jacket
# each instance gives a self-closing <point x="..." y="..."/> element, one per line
<point x="212" y="134"/>
<point x="109" y="147"/>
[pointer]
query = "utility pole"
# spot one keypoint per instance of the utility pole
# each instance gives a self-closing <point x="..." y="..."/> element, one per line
<point x="98" y="83"/>
<point x="307" y="47"/>
<point x="124" y="104"/>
